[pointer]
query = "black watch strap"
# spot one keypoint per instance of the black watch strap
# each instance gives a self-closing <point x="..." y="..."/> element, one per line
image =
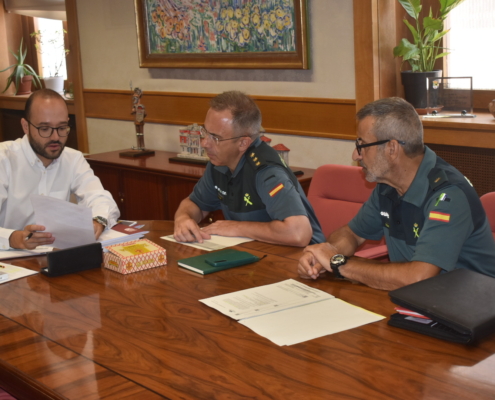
<point x="336" y="262"/>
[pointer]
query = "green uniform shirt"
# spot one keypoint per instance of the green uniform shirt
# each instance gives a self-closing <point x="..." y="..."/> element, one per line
<point x="439" y="220"/>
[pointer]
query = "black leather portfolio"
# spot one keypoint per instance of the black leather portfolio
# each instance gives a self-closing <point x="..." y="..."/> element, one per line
<point x="74" y="259"/>
<point x="460" y="303"/>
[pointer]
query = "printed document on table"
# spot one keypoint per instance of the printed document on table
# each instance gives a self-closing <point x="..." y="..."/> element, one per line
<point x="311" y="321"/>
<point x="70" y="224"/>
<point x="15" y="272"/>
<point x="15" y="253"/>
<point x="290" y="312"/>
<point x="215" y="243"/>
<point x="266" y="299"/>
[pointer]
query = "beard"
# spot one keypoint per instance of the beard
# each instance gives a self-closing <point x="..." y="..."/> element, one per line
<point x="42" y="151"/>
<point x="378" y="170"/>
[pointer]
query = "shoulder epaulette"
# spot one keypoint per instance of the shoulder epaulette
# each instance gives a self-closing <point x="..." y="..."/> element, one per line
<point x="437" y="177"/>
<point x="255" y="160"/>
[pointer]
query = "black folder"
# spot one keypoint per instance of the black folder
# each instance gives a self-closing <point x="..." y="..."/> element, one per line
<point x="460" y="303"/>
<point x="74" y="259"/>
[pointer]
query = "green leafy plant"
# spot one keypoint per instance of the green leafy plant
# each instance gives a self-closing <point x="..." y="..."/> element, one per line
<point x="426" y="49"/>
<point x="20" y="70"/>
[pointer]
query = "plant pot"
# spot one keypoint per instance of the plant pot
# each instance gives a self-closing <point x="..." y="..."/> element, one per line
<point x="415" y="89"/>
<point x="25" y="85"/>
<point x="55" y="83"/>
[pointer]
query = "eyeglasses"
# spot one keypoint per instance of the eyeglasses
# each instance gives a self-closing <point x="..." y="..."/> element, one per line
<point x="47" y="131"/>
<point x="209" y="135"/>
<point x="360" y="146"/>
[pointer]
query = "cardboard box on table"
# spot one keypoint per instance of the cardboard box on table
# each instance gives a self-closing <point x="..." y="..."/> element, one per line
<point x="134" y="256"/>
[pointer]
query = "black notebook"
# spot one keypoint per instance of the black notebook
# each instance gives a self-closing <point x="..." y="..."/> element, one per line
<point x="460" y="303"/>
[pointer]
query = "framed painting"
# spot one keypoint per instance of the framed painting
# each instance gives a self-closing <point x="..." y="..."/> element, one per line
<point x="222" y="34"/>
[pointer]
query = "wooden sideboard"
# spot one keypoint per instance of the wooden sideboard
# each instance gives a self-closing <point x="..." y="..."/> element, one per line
<point x="153" y="187"/>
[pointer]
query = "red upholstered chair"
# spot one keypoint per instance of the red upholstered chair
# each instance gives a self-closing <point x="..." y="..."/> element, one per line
<point x="336" y="193"/>
<point x="488" y="201"/>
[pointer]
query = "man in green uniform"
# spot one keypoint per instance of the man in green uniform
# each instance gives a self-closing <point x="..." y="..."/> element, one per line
<point x="429" y="213"/>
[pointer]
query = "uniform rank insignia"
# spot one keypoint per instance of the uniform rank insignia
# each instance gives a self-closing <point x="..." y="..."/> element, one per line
<point x="439" y="216"/>
<point x="276" y="189"/>
<point x="442" y="197"/>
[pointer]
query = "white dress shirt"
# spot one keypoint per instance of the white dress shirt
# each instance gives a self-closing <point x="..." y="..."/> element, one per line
<point x="22" y="174"/>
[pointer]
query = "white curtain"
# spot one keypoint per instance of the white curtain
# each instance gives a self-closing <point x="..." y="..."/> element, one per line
<point x="51" y="9"/>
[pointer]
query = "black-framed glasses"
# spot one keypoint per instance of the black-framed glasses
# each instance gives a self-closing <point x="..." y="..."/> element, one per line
<point x="47" y="131"/>
<point x="360" y="146"/>
<point x="209" y="135"/>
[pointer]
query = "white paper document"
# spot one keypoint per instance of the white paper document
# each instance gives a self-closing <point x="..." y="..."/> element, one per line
<point x="15" y="253"/>
<point x="215" y="243"/>
<point x="70" y="224"/>
<point x="291" y="312"/>
<point x="15" y="272"/>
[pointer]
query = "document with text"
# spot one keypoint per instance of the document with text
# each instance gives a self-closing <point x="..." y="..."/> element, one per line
<point x="290" y="312"/>
<point x="215" y="243"/>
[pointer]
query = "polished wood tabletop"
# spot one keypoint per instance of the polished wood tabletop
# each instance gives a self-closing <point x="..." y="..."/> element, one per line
<point x="101" y="335"/>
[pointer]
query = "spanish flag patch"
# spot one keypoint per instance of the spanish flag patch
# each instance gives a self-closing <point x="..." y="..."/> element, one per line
<point x="438" y="216"/>
<point x="276" y="189"/>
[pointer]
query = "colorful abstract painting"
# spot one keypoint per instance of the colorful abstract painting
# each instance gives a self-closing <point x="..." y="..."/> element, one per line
<point x="220" y="26"/>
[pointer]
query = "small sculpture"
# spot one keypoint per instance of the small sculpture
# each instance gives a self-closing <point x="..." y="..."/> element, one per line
<point x="139" y="112"/>
<point x="190" y="143"/>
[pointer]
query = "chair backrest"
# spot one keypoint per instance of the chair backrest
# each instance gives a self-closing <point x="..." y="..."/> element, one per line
<point x="488" y="201"/>
<point x="336" y="193"/>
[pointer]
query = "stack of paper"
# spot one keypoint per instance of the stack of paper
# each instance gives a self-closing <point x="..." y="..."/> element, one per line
<point x="215" y="243"/>
<point x="120" y="233"/>
<point x="15" y="272"/>
<point x="291" y="312"/>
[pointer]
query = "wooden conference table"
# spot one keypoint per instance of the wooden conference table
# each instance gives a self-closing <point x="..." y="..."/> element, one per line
<point x="99" y="334"/>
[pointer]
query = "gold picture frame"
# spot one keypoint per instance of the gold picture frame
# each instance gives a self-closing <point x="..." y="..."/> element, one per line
<point x="247" y="34"/>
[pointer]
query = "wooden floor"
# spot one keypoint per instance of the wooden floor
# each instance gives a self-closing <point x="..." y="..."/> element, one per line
<point x="102" y="335"/>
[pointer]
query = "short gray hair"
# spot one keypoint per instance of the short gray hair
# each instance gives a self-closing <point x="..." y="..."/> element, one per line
<point x="396" y="119"/>
<point x="246" y="114"/>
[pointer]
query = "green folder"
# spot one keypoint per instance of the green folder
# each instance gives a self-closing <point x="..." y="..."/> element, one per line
<point x="217" y="261"/>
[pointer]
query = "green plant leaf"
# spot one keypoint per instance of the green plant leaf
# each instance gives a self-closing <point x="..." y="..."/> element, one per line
<point x="413" y="31"/>
<point x="412" y="7"/>
<point x="406" y="50"/>
<point x="442" y="54"/>
<point x="432" y="24"/>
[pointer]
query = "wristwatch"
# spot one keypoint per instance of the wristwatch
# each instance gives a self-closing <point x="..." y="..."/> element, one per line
<point x="336" y="262"/>
<point x="101" y="220"/>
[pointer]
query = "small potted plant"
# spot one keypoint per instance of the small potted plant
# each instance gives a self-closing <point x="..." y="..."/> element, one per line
<point x="55" y="46"/>
<point x="425" y="49"/>
<point x="23" y="74"/>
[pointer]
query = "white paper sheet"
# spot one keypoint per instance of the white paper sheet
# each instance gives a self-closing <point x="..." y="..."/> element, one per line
<point x="70" y="224"/>
<point x="290" y="312"/>
<point x="15" y="272"/>
<point x="266" y="299"/>
<point x="311" y="321"/>
<point x="14" y="253"/>
<point x="215" y="243"/>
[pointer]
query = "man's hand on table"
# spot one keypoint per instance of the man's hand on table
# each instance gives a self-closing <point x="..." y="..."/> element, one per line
<point x="187" y="230"/>
<point x="315" y="260"/>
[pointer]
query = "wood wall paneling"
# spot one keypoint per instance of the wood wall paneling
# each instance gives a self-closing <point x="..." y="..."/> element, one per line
<point x="288" y="115"/>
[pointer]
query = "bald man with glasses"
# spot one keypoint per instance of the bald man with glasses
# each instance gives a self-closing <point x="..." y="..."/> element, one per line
<point x="39" y="163"/>
<point x="258" y="194"/>
<point x="429" y="213"/>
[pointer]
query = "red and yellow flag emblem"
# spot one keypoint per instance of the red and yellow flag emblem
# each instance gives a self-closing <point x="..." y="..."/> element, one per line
<point x="276" y="189"/>
<point x="438" y="216"/>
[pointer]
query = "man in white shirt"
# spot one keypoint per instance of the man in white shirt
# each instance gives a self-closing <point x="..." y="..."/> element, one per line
<point x="40" y="164"/>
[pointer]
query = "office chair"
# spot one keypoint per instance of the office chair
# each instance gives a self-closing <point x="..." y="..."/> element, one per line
<point x="488" y="201"/>
<point x="336" y="193"/>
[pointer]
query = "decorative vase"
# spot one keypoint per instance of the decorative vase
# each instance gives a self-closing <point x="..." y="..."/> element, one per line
<point x="415" y="89"/>
<point x="55" y="83"/>
<point x="25" y="85"/>
<point x="491" y="107"/>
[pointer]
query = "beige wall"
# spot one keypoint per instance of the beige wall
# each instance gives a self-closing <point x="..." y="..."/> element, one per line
<point x="110" y="60"/>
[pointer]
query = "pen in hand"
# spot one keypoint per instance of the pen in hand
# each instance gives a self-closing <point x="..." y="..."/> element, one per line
<point x="28" y="237"/>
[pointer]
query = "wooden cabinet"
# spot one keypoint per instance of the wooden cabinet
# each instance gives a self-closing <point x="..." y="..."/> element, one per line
<point x="153" y="187"/>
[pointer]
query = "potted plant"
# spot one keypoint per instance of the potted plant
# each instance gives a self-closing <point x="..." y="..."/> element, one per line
<point x="53" y="44"/>
<point x="22" y="75"/>
<point x="425" y="49"/>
